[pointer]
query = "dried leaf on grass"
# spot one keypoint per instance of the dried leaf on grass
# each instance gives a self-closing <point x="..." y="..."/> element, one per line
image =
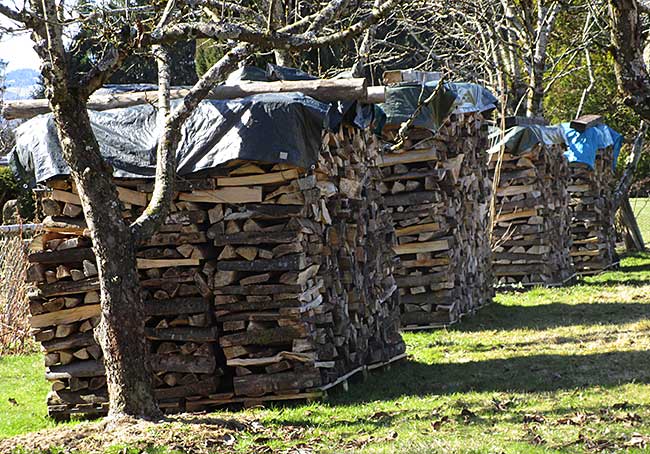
<point x="189" y="433"/>
<point x="638" y="440"/>
<point x="436" y="425"/>
<point x="534" y="418"/>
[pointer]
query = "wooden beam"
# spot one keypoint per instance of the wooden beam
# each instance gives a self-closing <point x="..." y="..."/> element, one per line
<point x="81" y="369"/>
<point x="76" y="255"/>
<point x="239" y="194"/>
<point x="419" y="228"/>
<point x="69" y="287"/>
<point x="416" y="248"/>
<point x="392" y="159"/>
<point x="524" y="121"/>
<point x="62" y="224"/>
<point x="65" y="316"/>
<point x="267" y="178"/>
<point x="323" y="89"/>
<point x="133" y="197"/>
<point x="581" y="124"/>
<point x="145" y="264"/>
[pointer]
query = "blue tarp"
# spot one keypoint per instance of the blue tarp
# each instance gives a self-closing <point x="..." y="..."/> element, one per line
<point x="583" y="146"/>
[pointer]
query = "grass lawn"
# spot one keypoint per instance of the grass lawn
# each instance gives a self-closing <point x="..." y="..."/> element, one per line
<point x="641" y="208"/>
<point x="551" y="370"/>
<point x="22" y="395"/>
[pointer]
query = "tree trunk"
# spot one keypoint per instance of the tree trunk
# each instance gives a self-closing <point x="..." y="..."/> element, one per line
<point x="627" y="48"/>
<point x="121" y="331"/>
<point x="545" y="21"/>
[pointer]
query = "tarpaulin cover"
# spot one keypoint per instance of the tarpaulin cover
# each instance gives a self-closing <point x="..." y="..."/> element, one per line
<point x="520" y="139"/>
<point x="277" y="128"/>
<point x="583" y="146"/>
<point x="403" y="100"/>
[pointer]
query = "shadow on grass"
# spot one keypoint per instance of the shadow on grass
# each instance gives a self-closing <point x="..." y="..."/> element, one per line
<point x="537" y="373"/>
<point x="544" y="316"/>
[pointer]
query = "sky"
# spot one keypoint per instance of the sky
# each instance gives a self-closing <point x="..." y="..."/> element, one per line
<point x="16" y="50"/>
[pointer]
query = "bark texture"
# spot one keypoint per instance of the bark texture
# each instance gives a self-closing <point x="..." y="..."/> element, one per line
<point x="121" y="330"/>
<point x="627" y="48"/>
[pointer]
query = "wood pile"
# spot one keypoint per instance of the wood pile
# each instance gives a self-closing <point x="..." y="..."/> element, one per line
<point x="437" y="190"/>
<point x="531" y="237"/>
<point x="266" y="282"/>
<point x="592" y="213"/>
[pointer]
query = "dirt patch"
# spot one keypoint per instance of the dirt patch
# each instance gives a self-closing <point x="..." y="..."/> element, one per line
<point x="187" y="433"/>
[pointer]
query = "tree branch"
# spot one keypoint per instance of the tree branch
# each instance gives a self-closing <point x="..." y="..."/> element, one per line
<point x="632" y="163"/>
<point x="17" y="16"/>
<point x="264" y="39"/>
<point x="155" y="213"/>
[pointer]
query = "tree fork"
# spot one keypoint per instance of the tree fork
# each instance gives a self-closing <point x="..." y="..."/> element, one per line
<point x="121" y="331"/>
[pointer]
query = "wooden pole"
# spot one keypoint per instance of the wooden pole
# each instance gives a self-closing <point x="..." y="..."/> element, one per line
<point x="321" y="89"/>
<point x="629" y="220"/>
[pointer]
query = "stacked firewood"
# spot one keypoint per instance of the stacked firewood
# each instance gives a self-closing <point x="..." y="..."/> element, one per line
<point x="437" y="188"/>
<point x="592" y="214"/>
<point x="266" y="281"/>
<point x="531" y="238"/>
<point x="65" y="303"/>
<point x="303" y="278"/>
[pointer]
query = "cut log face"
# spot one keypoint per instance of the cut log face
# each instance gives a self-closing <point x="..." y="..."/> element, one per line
<point x="263" y="282"/>
<point x="437" y="191"/>
<point x="592" y="213"/>
<point x="531" y="237"/>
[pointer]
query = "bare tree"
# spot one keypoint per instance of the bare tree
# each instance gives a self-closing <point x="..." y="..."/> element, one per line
<point x="121" y="331"/>
<point x="506" y="45"/>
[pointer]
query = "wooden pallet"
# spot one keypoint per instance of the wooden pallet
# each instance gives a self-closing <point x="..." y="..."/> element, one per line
<point x="600" y="271"/>
<point x="310" y="395"/>
<point x="519" y="285"/>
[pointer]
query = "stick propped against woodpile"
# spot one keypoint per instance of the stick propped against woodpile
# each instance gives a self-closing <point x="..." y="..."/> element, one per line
<point x="321" y="89"/>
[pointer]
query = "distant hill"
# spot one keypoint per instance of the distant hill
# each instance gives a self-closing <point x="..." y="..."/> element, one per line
<point x="21" y="83"/>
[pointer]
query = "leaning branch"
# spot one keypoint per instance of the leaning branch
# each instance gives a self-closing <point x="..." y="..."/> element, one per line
<point x="156" y="211"/>
<point x="626" y="180"/>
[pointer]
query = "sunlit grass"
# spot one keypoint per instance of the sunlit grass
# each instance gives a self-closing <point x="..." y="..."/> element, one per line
<point x="549" y="370"/>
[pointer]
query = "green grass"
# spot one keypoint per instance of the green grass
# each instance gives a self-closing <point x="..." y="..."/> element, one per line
<point x="22" y="395"/>
<point x="562" y="370"/>
<point x="641" y="208"/>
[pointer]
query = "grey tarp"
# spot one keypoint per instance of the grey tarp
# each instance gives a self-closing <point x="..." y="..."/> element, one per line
<point x="277" y="128"/>
<point x="403" y="100"/>
<point x="520" y="139"/>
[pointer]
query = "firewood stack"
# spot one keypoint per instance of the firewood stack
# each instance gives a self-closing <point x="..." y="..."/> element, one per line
<point x="592" y="213"/>
<point x="531" y="237"/>
<point x="267" y="281"/>
<point x="437" y="189"/>
<point x="592" y="150"/>
<point x="65" y="304"/>
<point x="303" y="281"/>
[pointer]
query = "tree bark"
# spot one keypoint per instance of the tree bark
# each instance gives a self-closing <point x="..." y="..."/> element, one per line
<point x="624" y="184"/>
<point x="545" y="21"/>
<point x="121" y="330"/>
<point x="627" y="49"/>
